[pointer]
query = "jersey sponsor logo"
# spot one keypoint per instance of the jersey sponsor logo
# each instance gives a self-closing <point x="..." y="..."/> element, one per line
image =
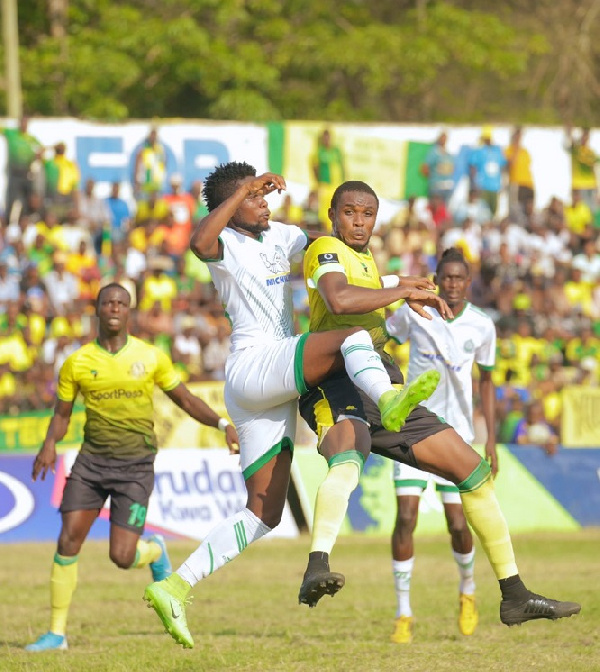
<point x="434" y="356"/>
<point x="278" y="263"/>
<point x="118" y="393"/>
<point x="328" y="258"/>
<point x="137" y="370"/>
<point x="279" y="280"/>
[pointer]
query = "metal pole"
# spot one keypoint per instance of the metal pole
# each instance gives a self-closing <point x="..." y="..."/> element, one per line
<point x="10" y="30"/>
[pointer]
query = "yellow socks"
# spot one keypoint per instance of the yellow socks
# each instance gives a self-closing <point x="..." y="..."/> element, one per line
<point x="63" y="581"/>
<point x="145" y="553"/>
<point x="332" y="499"/>
<point x="487" y="520"/>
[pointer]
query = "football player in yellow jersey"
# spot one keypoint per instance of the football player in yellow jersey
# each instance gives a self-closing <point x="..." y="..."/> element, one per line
<point x="345" y="289"/>
<point x="115" y="375"/>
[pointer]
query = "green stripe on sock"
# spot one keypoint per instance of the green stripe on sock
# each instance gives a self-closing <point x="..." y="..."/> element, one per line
<point x="368" y="368"/>
<point x="65" y="560"/>
<point x="477" y="478"/>
<point x="348" y="456"/>
<point x="354" y="348"/>
<point x="240" y="535"/>
<point x="212" y="559"/>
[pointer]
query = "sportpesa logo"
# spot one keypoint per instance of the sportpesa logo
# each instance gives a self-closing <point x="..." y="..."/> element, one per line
<point x="115" y="394"/>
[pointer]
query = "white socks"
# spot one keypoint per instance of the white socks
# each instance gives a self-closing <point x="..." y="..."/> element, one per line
<point x="364" y="365"/>
<point x="222" y="544"/>
<point x="466" y="564"/>
<point x="402" y="570"/>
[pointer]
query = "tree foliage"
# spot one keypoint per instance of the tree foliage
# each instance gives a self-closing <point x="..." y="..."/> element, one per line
<point x="257" y="60"/>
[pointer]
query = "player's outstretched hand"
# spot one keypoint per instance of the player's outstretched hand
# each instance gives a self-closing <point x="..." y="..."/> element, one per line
<point x="44" y="460"/>
<point x="416" y="281"/>
<point x="265" y="184"/>
<point x="233" y="441"/>
<point x="420" y="298"/>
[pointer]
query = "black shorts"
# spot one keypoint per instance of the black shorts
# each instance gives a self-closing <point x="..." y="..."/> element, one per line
<point x="128" y="483"/>
<point x="337" y="396"/>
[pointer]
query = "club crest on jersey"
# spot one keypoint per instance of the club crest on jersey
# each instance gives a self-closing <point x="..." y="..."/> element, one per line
<point x="469" y="346"/>
<point x="278" y="263"/>
<point x="328" y="258"/>
<point x="137" y="370"/>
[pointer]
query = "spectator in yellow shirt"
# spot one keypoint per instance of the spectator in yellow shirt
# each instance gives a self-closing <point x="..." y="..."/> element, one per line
<point x="578" y="215"/>
<point x="521" y="188"/>
<point x="158" y="286"/>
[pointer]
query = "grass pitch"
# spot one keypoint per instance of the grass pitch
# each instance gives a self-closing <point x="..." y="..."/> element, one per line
<point x="247" y="617"/>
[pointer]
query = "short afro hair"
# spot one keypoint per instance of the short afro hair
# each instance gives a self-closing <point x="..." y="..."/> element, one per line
<point x="352" y="185"/>
<point x="222" y="182"/>
<point x="453" y="255"/>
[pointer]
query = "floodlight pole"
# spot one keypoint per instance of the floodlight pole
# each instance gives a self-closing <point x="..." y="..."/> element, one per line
<point x="10" y="29"/>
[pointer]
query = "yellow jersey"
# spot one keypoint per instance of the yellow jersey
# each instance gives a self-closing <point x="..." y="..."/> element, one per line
<point x="117" y="390"/>
<point x="328" y="254"/>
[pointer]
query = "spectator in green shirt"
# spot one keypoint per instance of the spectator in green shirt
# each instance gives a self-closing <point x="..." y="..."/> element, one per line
<point x="23" y="152"/>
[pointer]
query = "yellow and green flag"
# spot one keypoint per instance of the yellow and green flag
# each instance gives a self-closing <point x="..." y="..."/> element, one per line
<point x="391" y="167"/>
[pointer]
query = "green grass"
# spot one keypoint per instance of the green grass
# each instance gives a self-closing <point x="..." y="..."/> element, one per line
<point x="247" y="617"/>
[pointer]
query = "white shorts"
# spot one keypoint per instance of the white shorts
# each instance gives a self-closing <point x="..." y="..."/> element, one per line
<point x="262" y="386"/>
<point x="411" y="481"/>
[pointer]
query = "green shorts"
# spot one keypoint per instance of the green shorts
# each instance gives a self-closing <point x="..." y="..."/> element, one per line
<point x="128" y="483"/>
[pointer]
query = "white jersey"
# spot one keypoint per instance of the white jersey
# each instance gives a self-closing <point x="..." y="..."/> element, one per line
<point x="451" y="347"/>
<point x="253" y="283"/>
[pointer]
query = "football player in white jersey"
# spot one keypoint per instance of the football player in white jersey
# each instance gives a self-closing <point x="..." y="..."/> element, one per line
<point x="452" y="347"/>
<point x="269" y="367"/>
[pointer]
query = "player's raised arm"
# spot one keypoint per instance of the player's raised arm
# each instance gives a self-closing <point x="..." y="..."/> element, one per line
<point x="204" y="242"/>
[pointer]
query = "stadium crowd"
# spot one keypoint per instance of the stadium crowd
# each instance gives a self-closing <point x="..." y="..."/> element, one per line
<point x="535" y="271"/>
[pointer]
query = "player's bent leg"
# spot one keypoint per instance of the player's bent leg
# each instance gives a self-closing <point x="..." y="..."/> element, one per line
<point x="446" y="454"/>
<point x="267" y="488"/>
<point x="363" y="364"/>
<point x="483" y="513"/>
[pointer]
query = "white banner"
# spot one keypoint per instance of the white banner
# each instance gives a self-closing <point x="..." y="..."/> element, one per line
<point x="106" y="152"/>
<point x="196" y="488"/>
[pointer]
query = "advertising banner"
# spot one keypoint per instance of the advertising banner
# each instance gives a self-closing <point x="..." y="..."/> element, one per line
<point x="526" y="503"/>
<point x="106" y="152"/>
<point x="193" y="490"/>
<point x="25" y="433"/>
<point x="581" y="410"/>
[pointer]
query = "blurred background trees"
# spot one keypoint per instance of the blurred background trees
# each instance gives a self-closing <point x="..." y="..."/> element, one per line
<point x="531" y="61"/>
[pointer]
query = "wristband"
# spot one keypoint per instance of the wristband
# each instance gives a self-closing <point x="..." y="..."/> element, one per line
<point x="223" y="424"/>
<point x="390" y="281"/>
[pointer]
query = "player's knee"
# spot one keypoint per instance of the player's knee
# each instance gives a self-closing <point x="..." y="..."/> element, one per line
<point x="406" y="521"/>
<point x="270" y="514"/>
<point x="457" y="526"/>
<point x="68" y="544"/>
<point x="122" y="558"/>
